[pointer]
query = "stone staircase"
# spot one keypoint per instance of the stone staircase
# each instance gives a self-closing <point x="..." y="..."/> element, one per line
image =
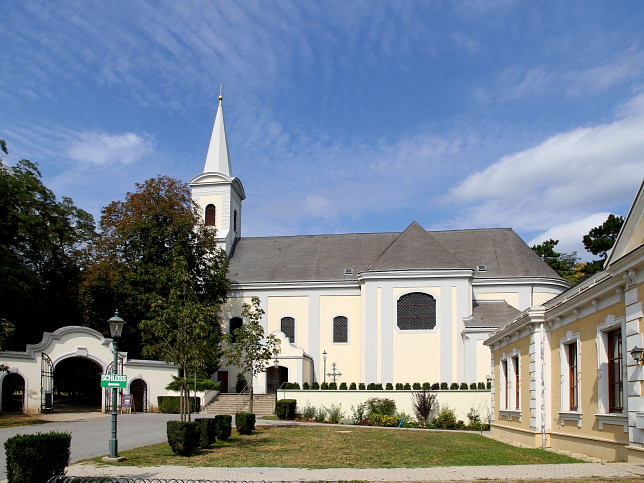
<point x="263" y="404"/>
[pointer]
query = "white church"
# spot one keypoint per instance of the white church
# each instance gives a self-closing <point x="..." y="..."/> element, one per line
<point x="405" y="307"/>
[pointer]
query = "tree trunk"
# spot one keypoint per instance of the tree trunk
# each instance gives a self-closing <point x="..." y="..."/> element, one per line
<point x="188" y="405"/>
<point x="250" y="396"/>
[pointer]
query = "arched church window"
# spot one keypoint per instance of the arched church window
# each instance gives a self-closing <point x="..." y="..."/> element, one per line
<point x="235" y="221"/>
<point x="234" y="324"/>
<point x="416" y="311"/>
<point x="288" y="327"/>
<point x="340" y="329"/>
<point x="211" y="211"/>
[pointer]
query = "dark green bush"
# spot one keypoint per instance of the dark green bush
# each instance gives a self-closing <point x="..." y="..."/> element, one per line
<point x="473" y="385"/>
<point x="489" y="385"/>
<point x="481" y="385"/>
<point x="389" y="386"/>
<point x="361" y="386"/>
<point x="399" y="386"/>
<point x="435" y="386"/>
<point x="245" y="423"/>
<point x="315" y="386"/>
<point x="407" y="387"/>
<point x="382" y="406"/>
<point x="207" y="428"/>
<point x="333" y="386"/>
<point x="446" y="419"/>
<point x="241" y="382"/>
<point x="453" y="386"/>
<point x="352" y="386"/>
<point x="343" y="386"/>
<point x="306" y="386"/>
<point x="223" y="426"/>
<point x="426" y="386"/>
<point x="295" y="385"/>
<point x="324" y="386"/>
<point x="285" y="408"/>
<point x="183" y="437"/>
<point x="203" y="384"/>
<point x="373" y="386"/>
<point x="444" y="386"/>
<point x="36" y="457"/>
<point x="416" y="386"/>
<point x="172" y="404"/>
<point x="463" y="386"/>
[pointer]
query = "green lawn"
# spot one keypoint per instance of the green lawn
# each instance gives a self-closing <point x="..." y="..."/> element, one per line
<point x="346" y="447"/>
<point x="8" y="420"/>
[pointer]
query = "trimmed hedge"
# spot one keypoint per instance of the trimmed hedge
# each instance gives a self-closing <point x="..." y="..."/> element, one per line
<point x="223" y="426"/>
<point x="172" y="404"/>
<point x="245" y="423"/>
<point x="183" y="437"/>
<point x="207" y="431"/>
<point x="285" y="408"/>
<point x="37" y="457"/>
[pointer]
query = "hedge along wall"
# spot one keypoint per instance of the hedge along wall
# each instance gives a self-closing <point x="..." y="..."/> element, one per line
<point x="460" y="401"/>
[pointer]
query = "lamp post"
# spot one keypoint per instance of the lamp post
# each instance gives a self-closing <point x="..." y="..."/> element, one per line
<point x="324" y="373"/>
<point x="276" y="366"/>
<point x="116" y="328"/>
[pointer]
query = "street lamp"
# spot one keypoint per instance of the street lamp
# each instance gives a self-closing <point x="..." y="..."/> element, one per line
<point x="636" y="354"/>
<point x="116" y="329"/>
<point x="324" y="373"/>
<point x="276" y="366"/>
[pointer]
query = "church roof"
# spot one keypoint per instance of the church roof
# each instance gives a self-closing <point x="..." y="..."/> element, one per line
<point x="341" y="257"/>
<point x="490" y="314"/>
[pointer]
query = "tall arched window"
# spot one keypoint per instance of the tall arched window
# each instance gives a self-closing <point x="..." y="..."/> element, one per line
<point x="340" y="329"/>
<point x="416" y="311"/>
<point x="235" y="221"/>
<point x="234" y="324"/>
<point x="288" y="327"/>
<point x="211" y="211"/>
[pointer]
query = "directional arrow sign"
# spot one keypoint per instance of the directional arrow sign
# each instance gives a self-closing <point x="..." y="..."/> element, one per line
<point x="118" y="381"/>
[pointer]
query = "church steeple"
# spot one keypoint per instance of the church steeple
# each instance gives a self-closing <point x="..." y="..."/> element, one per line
<point x="218" y="159"/>
<point x="216" y="191"/>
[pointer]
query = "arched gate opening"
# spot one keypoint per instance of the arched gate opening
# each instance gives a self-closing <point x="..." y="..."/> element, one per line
<point x="13" y="393"/>
<point x="77" y="385"/>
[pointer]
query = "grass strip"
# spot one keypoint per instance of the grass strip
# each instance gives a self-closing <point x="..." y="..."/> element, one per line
<point x="9" y="420"/>
<point x="333" y="447"/>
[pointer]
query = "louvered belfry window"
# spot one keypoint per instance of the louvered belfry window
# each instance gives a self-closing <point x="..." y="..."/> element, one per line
<point x="288" y="327"/>
<point x="416" y="311"/>
<point x="210" y="215"/>
<point x="340" y="329"/>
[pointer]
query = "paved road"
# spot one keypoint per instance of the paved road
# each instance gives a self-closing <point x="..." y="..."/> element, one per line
<point x="91" y="434"/>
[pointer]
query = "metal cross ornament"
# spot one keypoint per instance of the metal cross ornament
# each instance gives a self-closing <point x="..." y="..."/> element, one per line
<point x="334" y="373"/>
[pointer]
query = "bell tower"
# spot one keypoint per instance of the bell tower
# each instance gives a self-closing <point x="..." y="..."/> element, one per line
<point x="216" y="191"/>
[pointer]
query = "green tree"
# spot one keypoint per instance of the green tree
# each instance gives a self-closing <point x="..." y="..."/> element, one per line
<point x="602" y="238"/>
<point x="180" y="329"/>
<point x="248" y="348"/>
<point x="132" y="263"/>
<point x="41" y="245"/>
<point x="565" y="264"/>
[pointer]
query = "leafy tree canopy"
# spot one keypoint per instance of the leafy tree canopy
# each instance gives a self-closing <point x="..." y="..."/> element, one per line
<point x="156" y="262"/>
<point x="602" y="238"/>
<point x="41" y="243"/>
<point x="565" y="264"/>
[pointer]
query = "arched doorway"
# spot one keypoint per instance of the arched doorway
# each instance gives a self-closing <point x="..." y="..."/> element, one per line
<point x="13" y="393"/>
<point x="139" y="391"/>
<point x="77" y="385"/>
<point x="274" y="380"/>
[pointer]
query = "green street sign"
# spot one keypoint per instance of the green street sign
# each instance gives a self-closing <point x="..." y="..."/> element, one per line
<point x="119" y="381"/>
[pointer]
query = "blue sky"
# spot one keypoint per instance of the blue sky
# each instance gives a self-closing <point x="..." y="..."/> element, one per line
<point x="341" y="116"/>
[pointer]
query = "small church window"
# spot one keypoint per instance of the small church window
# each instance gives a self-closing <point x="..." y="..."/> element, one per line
<point x="340" y="329"/>
<point x="211" y="211"/>
<point x="234" y="324"/>
<point x="416" y="311"/>
<point x="288" y="327"/>
<point x="235" y="221"/>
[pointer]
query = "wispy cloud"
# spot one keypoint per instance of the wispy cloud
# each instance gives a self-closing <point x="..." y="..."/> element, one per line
<point x="103" y="149"/>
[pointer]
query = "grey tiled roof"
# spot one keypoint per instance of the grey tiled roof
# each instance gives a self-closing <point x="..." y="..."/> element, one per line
<point x="490" y="314"/>
<point x="325" y="257"/>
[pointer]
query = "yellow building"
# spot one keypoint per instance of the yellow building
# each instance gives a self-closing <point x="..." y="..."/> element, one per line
<point x="567" y="373"/>
<point x="414" y="306"/>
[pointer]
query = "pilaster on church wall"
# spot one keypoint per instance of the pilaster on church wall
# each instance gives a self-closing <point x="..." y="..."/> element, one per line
<point x="633" y="293"/>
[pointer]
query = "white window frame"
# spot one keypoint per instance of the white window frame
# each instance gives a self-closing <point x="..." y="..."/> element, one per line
<point x="565" y="413"/>
<point x="603" y="415"/>
<point x="509" y="404"/>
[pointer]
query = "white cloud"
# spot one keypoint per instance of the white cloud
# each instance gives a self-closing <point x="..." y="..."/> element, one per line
<point x="105" y="149"/>
<point x="569" y="236"/>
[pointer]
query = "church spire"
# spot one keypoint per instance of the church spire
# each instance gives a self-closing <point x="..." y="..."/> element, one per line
<point x="217" y="159"/>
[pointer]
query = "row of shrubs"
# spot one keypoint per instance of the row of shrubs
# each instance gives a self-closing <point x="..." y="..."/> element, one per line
<point x="382" y="412"/>
<point x="37" y="457"/>
<point x="186" y="437"/>
<point x="416" y="386"/>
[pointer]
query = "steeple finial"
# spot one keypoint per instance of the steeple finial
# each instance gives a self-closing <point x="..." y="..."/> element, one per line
<point x="220" y="96"/>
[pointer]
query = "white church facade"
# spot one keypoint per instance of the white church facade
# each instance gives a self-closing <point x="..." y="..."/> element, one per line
<point x="404" y="307"/>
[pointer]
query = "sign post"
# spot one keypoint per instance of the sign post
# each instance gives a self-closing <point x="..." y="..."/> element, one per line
<point x="116" y="381"/>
